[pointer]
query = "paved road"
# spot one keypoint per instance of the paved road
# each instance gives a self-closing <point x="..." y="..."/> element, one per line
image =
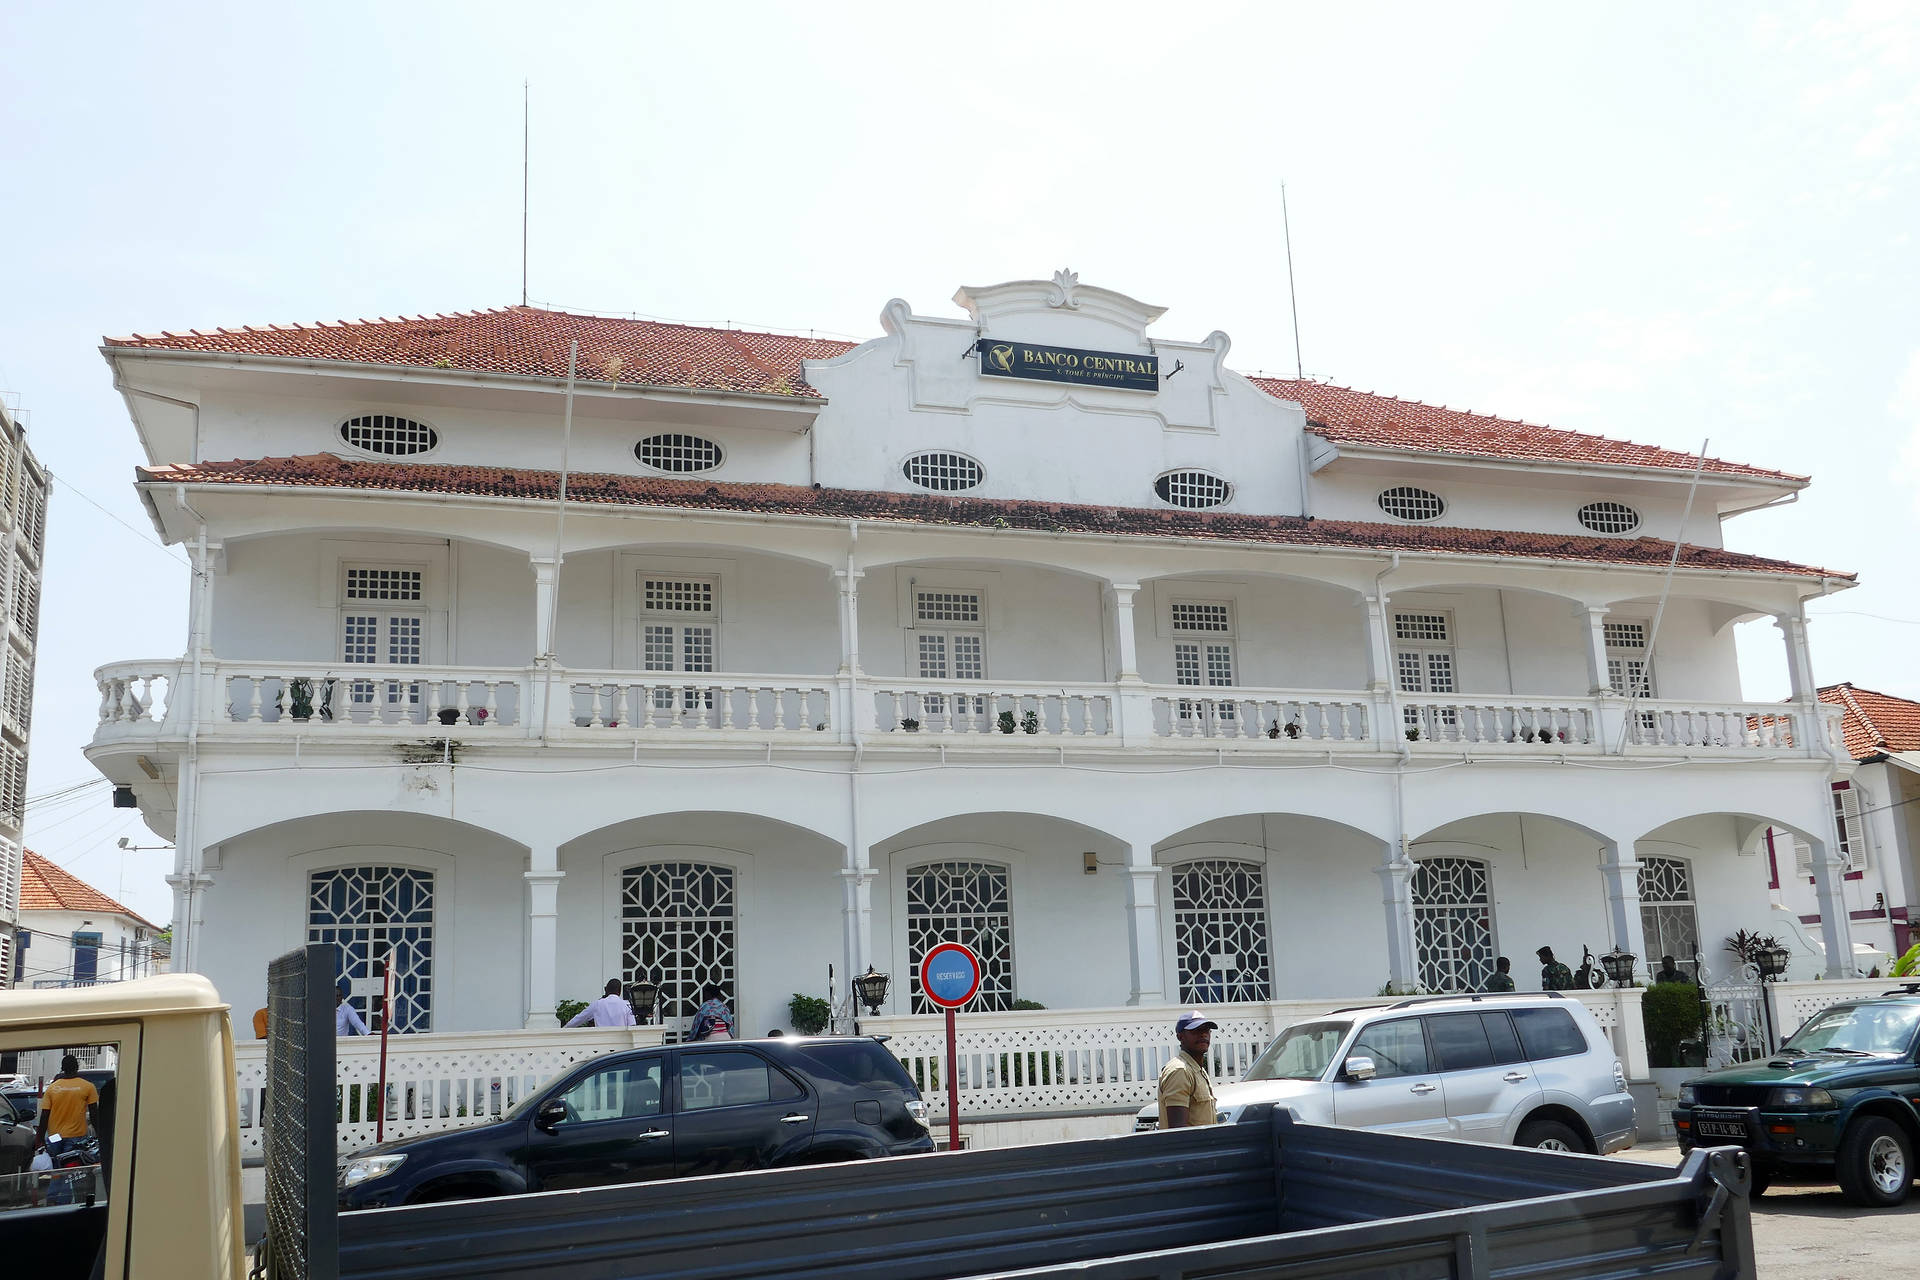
<point x="1811" y="1233"/>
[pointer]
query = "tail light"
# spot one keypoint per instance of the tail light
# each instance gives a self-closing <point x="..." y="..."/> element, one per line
<point x="917" y="1108"/>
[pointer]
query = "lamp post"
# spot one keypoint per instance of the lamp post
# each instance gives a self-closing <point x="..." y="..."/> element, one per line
<point x="871" y="990"/>
<point x="1619" y="966"/>
<point x="1773" y="963"/>
<point x="643" y="994"/>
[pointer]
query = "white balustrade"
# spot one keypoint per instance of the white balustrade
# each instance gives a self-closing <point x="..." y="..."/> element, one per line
<point x="1275" y="714"/>
<point x="1795" y="1002"/>
<point x="973" y="707"/>
<point x="134" y="693"/>
<point x="1762" y="726"/>
<point x="650" y="702"/>
<point x="309" y="696"/>
<point x="1499" y="721"/>
<point x="436" y="1081"/>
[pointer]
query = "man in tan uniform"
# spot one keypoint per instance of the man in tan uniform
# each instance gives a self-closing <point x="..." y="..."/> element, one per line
<point x="1186" y="1089"/>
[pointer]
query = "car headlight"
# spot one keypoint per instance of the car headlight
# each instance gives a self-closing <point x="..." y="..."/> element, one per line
<point x="1686" y="1095"/>
<point x="1796" y="1096"/>
<point x="365" y="1168"/>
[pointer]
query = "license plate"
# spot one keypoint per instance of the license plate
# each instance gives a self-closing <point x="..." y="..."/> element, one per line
<point x="1720" y="1129"/>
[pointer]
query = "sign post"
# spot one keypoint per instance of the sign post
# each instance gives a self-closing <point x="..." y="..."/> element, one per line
<point x="386" y="1021"/>
<point x="949" y="977"/>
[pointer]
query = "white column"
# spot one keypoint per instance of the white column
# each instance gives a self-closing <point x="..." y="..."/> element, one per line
<point x="189" y="894"/>
<point x="1396" y="897"/>
<point x="1132" y="704"/>
<point x="1381" y="685"/>
<point x="1836" y="929"/>
<point x="848" y="583"/>
<point x="1595" y="617"/>
<point x="856" y="907"/>
<point x="546" y="579"/>
<point x="543" y="938"/>
<point x="1620" y="873"/>
<point x="1143" y="928"/>
<point x="1793" y="630"/>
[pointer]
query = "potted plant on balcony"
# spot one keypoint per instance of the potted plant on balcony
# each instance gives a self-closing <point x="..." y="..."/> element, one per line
<point x="449" y="715"/>
<point x="300" y="695"/>
<point x="910" y="725"/>
<point x="1030" y="722"/>
<point x="1005" y="722"/>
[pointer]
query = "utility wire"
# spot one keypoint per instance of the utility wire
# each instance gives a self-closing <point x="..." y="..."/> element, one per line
<point x="160" y="546"/>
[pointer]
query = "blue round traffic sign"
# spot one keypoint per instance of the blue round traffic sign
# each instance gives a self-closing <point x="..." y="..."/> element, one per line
<point x="950" y="975"/>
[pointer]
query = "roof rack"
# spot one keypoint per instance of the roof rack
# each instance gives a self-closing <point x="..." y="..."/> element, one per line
<point x="1905" y="989"/>
<point x="1411" y="1001"/>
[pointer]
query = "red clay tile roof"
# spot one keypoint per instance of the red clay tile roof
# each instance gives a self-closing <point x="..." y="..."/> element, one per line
<point x="327" y="471"/>
<point x="47" y="886"/>
<point x="533" y="342"/>
<point x="1875" y="722"/>
<point x="1345" y="416"/>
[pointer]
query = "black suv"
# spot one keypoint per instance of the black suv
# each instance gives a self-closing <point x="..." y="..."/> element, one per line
<point x="669" y="1112"/>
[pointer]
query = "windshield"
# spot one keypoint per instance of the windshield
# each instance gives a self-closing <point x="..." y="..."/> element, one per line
<point x="1302" y="1052"/>
<point x="1857" y="1028"/>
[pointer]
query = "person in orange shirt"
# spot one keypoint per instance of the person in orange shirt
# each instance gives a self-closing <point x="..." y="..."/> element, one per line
<point x="67" y="1107"/>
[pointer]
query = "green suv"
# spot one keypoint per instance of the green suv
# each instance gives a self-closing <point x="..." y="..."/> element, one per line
<point x="1839" y="1102"/>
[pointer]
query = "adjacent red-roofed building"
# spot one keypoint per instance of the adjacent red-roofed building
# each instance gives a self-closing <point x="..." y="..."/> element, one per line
<point x="72" y="934"/>
<point x="533" y="649"/>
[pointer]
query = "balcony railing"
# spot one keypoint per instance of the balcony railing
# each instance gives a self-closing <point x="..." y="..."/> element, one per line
<point x="272" y="698"/>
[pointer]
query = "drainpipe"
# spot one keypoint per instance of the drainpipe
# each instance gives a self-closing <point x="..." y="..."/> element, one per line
<point x="1402" y="853"/>
<point x="187" y="860"/>
<point x="857" y="878"/>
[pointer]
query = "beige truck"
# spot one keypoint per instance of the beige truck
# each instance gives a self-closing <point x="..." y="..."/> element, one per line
<point x="168" y="1191"/>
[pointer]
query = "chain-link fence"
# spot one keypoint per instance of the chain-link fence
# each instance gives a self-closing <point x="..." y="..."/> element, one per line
<point x="298" y="1115"/>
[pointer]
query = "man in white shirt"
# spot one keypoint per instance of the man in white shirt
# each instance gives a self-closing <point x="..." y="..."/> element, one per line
<point x="610" y="1010"/>
<point x="345" y="1021"/>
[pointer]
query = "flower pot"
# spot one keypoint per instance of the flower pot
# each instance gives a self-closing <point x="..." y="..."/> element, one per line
<point x="449" y="715"/>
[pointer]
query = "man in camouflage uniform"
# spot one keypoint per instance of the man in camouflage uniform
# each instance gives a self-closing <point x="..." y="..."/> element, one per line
<point x="1502" y="979"/>
<point x="1554" y="976"/>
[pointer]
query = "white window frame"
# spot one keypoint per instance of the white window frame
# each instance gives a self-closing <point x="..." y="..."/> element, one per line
<point x="1651" y="909"/>
<point x="935" y="704"/>
<point x="678" y="623"/>
<point x="1850" y="801"/>
<point x="390" y="695"/>
<point x="1619" y="655"/>
<point x="1205" y="645"/>
<point x="1425" y="651"/>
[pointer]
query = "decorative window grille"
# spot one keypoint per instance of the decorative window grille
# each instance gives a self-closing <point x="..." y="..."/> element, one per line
<point x="679" y="927"/>
<point x="679" y="453"/>
<point x="954" y="647"/>
<point x="1405" y="502"/>
<point x="1193" y="489"/>
<point x="1609" y="517"/>
<point x="1207" y="662"/>
<point x="1627" y="668"/>
<point x="376" y="628"/>
<point x="1453" y="923"/>
<point x="367" y="913"/>
<point x="969" y="903"/>
<point x="945" y="472"/>
<point x="1667" y="915"/>
<point x="389" y="436"/>
<point x="1220" y="930"/>
<point x="1423" y="663"/>
<point x="688" y="647"/>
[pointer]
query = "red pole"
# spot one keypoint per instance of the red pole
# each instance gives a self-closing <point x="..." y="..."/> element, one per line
<point x="386" y="1021"/>
<point x="953" y="1088"/>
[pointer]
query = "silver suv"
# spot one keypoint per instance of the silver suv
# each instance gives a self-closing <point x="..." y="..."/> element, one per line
<point x="1532" y="1069"/>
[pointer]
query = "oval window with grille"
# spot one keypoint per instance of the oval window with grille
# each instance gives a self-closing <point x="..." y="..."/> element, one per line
<point x="1193" y="489"/>
<point x="1405" y="502"/>
<point x="390" y="436"/>
<point x="946" y="472"/>
<point x="678" y="453"/>
<point x="1609" y="517"/>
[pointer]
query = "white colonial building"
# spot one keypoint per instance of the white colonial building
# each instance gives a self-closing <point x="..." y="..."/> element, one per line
<point x="1024" y="624"/>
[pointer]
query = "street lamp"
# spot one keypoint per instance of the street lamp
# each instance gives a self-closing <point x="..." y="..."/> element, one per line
<point x="643" y="995"/>
<point x="871" y="990"/>
<point x="1619" y="966"/>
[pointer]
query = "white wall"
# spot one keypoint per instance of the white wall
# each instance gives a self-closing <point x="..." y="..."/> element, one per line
<point x="48" y="957"/>
<point x="1525" y="501"/>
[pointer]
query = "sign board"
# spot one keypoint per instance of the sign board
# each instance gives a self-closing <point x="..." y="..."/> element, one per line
<point x="950" y="975"/>
<point x="1118" y="370"/>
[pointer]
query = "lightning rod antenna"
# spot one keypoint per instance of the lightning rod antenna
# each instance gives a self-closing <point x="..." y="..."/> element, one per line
<point x="526" y="136"/>
<point x="1293" y="303"/>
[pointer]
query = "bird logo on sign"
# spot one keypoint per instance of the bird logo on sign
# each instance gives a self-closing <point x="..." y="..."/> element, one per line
<point x="1000" y="356"/>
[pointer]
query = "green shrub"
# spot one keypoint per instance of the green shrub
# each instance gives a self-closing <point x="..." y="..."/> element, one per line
<point x="1028" y="1004"/>
<point x="809" y="1014"/>
<point x="566" y="1009"/>
<point x="1671" y="1012"/>
<point x="1907" y="965"/>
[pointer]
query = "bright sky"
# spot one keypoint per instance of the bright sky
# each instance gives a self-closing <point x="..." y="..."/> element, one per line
<point x="1662" y="221"/>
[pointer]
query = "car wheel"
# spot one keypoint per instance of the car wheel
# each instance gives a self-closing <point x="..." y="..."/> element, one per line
<point x="1875" y="1163"/>
<point x="1549" y="1135"/>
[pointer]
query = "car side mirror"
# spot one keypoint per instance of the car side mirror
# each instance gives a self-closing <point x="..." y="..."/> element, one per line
<point x="1358" y="1067"/>
<point x="550" y="1115"/>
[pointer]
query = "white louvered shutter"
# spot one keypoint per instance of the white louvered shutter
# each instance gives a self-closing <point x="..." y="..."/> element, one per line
<point x="1849" y="800"/>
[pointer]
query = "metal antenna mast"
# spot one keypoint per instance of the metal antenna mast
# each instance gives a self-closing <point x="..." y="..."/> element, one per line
<point x="526" y="136"/>
<point x="1293" y="303"/>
